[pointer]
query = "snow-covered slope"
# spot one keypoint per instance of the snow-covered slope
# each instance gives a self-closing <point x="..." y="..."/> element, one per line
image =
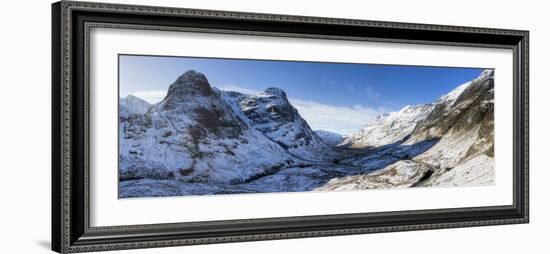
<point x="460" y="110"/>
<point x="460" y="127"/>
<point x="271" y="113"/>
<point x="401" y="174"/>
<point x="396" y="127"/>
<point x="330" y="138"/>
<point x="194" y="135"/>
<point x="389" y="129"/>
<point x="465" y="129"/>
<point x="450" y="98"/>
<point x="132" y="105"/>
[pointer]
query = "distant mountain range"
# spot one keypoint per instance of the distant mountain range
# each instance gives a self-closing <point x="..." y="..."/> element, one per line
<point x="201" y="140"/>
<point x="330" y="138"/>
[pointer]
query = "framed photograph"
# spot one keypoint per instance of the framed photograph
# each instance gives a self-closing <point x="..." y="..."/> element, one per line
<point x="178" y="126"/>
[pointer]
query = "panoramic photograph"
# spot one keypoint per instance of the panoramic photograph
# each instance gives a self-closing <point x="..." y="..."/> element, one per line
<point x="210" y="126"/>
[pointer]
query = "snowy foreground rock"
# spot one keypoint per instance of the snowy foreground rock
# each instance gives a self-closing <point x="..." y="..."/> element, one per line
<point x="199" y="140"/>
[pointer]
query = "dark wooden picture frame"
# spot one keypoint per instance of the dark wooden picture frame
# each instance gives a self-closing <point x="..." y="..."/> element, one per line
<point x="71" y="231"/>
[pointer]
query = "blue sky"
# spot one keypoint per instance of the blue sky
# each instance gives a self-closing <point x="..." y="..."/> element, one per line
<point x="353" y="94"/>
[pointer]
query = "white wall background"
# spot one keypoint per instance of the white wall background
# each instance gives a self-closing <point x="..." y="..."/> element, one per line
<point x="25" y="125"/>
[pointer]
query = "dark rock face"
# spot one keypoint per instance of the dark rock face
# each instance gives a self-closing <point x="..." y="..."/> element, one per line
<point x="484" y="114"/>
<point x="189" y="84"/>
<point x="271" y="113"/>
<point x="217" y="122"/>
<point x="271" y="107"/>
<point x="192" y="95"/>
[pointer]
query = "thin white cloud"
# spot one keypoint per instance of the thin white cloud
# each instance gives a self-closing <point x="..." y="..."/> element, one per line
<point x="235" y="88"/>
<point x="339" y="119"/>
<point x="151" y="96"/>
<point x="370" y="93"/>
<point x="395" y="105"/>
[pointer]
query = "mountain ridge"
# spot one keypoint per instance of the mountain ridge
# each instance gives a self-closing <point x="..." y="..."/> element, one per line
<point x="202" y="140"/>
<point x="193" y="135"/>
<point x="132" y="105"/>
<point x="271" y="113"/>
<point x="462" y="124"/>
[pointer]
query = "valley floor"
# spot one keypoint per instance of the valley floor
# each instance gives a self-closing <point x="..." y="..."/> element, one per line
<point x="292" y="179"/>
<point x="392" y="166"/>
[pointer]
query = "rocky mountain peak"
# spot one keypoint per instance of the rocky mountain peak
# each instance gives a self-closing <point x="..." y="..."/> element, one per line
<point x="269" y="106"/>
<point x="190" y="83"/>
<point x="131" y="97"/>
<point x="188" y="88"/>
<point x="275" y="91"/>
<point x="488" y="73"/>
<point x="271" y="113"/>
<point x="132" y="105"/>
<point x="190" y="75"/>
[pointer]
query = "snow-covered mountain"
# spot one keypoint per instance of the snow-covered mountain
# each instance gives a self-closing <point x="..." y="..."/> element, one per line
<point x="194" y="135"/>
<point x="396" y="127"/>
<point x="389" y="129"/>
<point x="460" y="130"/>
<point x="132" y="105"/>
<point x="465" y="131"/>
<point x="450" y="109"/>
<point x="330" y="138"/>
<point x="271" y="113"/>
<point x="200" y="140"/>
